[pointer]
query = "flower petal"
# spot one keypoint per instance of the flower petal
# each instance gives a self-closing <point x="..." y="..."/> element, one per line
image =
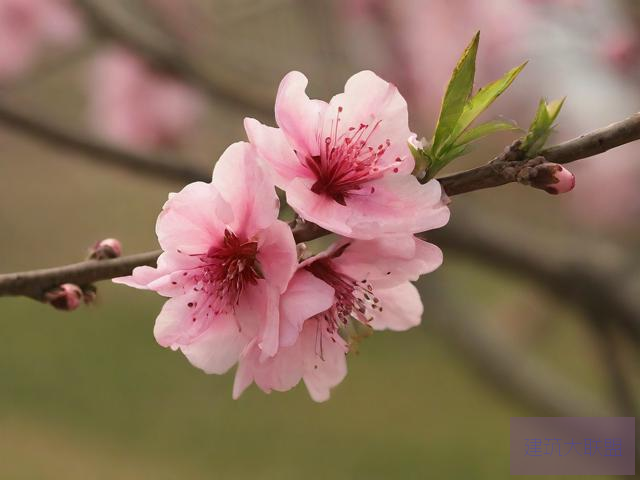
<point x="274" y="148"/>
<point x="218" y="348"/>
<point x="305" y="297"/>
<point x="370" y="100"/>
<point x="192" y="219"/>
<point x="390" y="260"/>
<point x="277" y="254"/>
<point x="399" y="204"/>
<point x="322" y="372"/>
<point x="247" y="187"/>
<point x="401" y="308"/>
<point x="281" y="372"/>
<point x="182" y="319"/>
<point x="319" y="209"/>
<point x="298" y="116"/>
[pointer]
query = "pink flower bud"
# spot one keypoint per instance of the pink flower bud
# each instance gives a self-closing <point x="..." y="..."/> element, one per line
<point x="107" y="248"/>
<point x="65" y="297"/>
<point x="554" y="179"/>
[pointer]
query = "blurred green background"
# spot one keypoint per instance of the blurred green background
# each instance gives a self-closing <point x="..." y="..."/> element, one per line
<point x="89" y="394"/>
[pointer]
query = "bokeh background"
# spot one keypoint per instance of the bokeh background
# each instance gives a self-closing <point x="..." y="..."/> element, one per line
<point x="89" y="394"/>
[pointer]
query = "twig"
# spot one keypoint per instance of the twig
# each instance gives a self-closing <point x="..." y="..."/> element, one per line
<point x="35" y="283"/>
<point x="97" y="151"/>
<point x="500" y="172"/>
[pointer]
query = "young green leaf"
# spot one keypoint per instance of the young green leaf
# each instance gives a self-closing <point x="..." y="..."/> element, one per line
<point x="541" y="126"/>
<point x="457" y="93"/>
<point x="484" y="130"/>
<point x="483" y="99"/>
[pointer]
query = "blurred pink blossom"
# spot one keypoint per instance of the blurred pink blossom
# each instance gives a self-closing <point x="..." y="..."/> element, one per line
<point x="346" y="165"/>
<point x="369" y="281"/>
<point x="622" y="50"/>
<point x="136" y="106"/>
<point x="425" y="38"/>
<point x="226" y="261"/>
<point x="26" y="26"/>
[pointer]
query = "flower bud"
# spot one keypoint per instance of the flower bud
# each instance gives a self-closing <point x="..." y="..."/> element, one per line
<point x="107" y="248"/>
<point x="552" y="178"/>
<point x="65" y="297"/>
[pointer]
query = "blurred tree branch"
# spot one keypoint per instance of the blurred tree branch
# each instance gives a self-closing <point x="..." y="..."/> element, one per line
<point x="496" y="173"/>
<point x="527" y="380"/>
<point x="97" y="151"/>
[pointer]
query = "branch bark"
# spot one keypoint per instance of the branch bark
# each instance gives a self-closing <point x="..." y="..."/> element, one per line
<point x="500" y="172"/>
<point x="36" y="283"/>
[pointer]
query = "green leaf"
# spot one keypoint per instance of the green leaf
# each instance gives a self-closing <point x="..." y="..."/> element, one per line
<point x="483" y="99"/>
<point x="541" y="126"/>
<point x="457" y="93"/>
<point x="484" y="130"/>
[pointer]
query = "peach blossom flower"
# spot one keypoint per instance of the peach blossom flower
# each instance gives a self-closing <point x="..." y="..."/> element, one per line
<point x="226" y="261"/>
<point x="346" y="165"/>
<point x="369" y="281"/>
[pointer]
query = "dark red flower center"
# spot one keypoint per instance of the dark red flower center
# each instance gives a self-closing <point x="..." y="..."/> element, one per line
<point x="348" y="160"/>
<point x="225" y="272"/>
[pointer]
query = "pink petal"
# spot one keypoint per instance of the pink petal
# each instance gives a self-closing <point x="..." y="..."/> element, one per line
<point x="279" y="373"/>
<point x="193" y="219"/>
<point x="322" y="373"/>
<point x="277" y="254"/>
<point x="399" y="204"/>
<point x="297" y="115"/>
<point x="247" y="188"/>
<point x="258" y="317"/>
<point x="368" y="99"/>
<point x="305" y="297"/>
<point x="319" y="209"/>
<point x="218" y="348"/>
<point x="274" y="148"/>
<point x="402" y="308"/>
<point x="182" y="319"/>
<point x="390" y="260"/>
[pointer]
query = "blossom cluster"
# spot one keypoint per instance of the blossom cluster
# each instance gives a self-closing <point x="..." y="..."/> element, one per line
<point x="238" y="290"/>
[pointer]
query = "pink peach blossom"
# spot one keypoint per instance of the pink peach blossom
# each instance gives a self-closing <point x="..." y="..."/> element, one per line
<point x="346" y="165"/>
<point x="26" y="26"/>
<point x="226" y="261"/>
<point x="368" y="281"/>
<point x="135" y="106"/>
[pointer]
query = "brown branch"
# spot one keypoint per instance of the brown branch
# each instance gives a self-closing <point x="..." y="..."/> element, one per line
<point x="96" y="151"/>
<point x="585" y="285"/>
<point x="36" y="283"/>
<point x="501" y="171"/>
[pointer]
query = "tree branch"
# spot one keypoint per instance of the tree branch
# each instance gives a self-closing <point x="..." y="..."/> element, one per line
<point x="36" y="283"/>
<point x="500" y="172"/>
<point x="97" y="151"/>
